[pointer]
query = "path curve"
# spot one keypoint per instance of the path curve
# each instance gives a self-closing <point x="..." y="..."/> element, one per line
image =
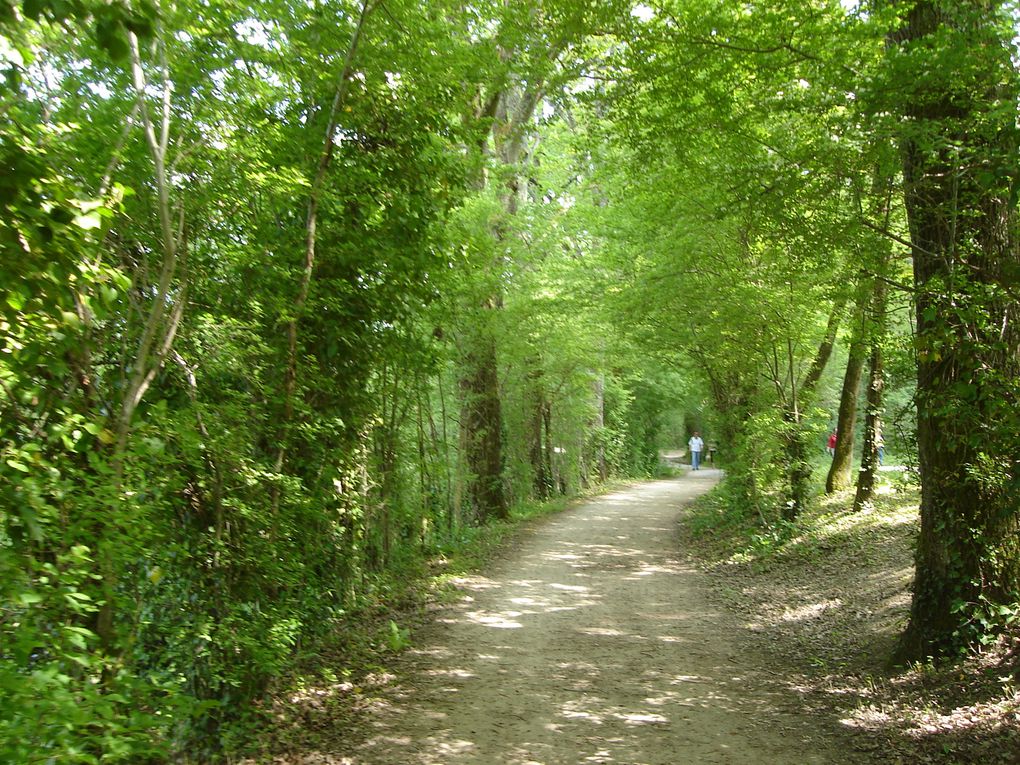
<point x="591" y="642"/>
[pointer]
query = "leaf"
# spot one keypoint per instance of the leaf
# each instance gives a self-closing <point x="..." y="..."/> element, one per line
<point x="112" y="37"/>
<point x="33" y="9"/>
<point x="88" y="221"/>
<point x="15" y="300"/>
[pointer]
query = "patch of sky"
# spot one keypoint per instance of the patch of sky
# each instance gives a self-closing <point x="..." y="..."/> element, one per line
<point x="642" y="12"/>
<point x="259" y="33"/>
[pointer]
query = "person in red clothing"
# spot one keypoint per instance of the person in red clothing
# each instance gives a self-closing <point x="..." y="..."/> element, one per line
<point x="831" y="448"/>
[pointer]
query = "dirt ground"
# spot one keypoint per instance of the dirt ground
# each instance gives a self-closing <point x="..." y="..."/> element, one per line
<point x="588" y="642"/>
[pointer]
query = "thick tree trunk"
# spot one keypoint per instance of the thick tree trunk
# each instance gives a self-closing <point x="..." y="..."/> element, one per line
<point x="798" y="473"/>
<point x="867" y="475"/>
<point x="958" y="157"/>
<point x="840" y="474"/>
<point x="481" y="436"/>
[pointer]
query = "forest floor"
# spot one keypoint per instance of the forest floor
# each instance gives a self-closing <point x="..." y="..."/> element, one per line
<point x="641" y="629"/>
<point x="824" y="602"/>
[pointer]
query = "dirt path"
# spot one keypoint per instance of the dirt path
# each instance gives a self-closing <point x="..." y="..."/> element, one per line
<point x="590" y="643"/>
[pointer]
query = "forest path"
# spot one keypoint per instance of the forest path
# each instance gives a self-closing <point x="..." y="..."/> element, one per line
<point x="590" y="642"/>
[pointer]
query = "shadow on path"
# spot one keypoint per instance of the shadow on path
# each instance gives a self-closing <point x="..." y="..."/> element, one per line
<point x="591" y="643"/>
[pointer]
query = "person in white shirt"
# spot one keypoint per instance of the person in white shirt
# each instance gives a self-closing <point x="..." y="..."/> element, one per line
<point x="695" y="445"/>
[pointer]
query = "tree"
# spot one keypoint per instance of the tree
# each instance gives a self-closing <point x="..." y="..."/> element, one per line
<point x="950" y="80"/>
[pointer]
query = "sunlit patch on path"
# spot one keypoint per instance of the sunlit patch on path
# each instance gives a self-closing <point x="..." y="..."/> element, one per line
<point x="592" y="643"/>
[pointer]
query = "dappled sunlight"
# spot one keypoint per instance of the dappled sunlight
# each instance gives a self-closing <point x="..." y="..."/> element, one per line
<point x="568" y="587"/>
<point x="526" y="582"/>
<point x="989" y="723"/>
<point x="600" y="631"/>
<point x="437" y="652"/>
<point x="810" y="610"/>
<point x="640" y="718"/>
<point x="454" y="672"/>
<point x="892" y="579"/>
<point x="533" y="668"/>
<point x="476" y="583"/>
<point x="649" y="569"/>
<point x="453" y="748"/>
<point x="571" y="712"/>
<point x="538" y="602"/>
<point x="500" y="621"/>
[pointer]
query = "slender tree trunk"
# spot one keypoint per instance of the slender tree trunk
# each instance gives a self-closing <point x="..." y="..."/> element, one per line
<point x="311" y="240"/>
<point x="598" y="425"/>
<point x="873" y="417"/>
<point x="162" y="320"/>
<point x="798" y="467"/>
<point x="841" y="469"/>
<point x="451" y="464"/>
<point x="541" y="476"/>
<point x="556" y="481"/>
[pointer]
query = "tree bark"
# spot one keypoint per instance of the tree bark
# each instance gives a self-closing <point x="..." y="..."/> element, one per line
<point x="841" y="469"/>
<point x="958" y="151"/>
<point x="873" y="417"/>
<point x="481" y="433"/>
<point x="162" y="320"/>
<point x="599" y="424"/>
<point x="537" y="444"/>
<point x="481" y="409"/>
<point x="798" y="467"/>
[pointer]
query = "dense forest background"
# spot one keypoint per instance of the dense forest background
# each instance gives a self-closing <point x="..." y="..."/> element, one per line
<point x="294" y="295"/>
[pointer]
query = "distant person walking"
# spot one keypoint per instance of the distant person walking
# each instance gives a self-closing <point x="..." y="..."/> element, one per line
<point x="695" y="445"/>
<point x="831" y="448"/>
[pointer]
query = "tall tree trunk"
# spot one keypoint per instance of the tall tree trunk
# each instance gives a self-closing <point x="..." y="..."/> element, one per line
<point x="290" y="372"/>
<point x="873" y="417"/>
<point x="959" y="167"/>
<point x="598" y="425"/>
<point x="841" y="469"/>
<point x="541" y="476"/>
<point x="556" y="477"/>
<point x="798" y="471"/>
<point x="162" y="320"/>
<point x="481" y="432"/>
<point x="509" y="112"/>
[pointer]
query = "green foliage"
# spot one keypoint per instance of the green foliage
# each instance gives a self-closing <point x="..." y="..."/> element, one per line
<point x="397" y="639"/>
<point x="236" y="352"/>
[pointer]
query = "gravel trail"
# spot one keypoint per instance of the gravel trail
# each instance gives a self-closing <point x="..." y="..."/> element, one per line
<point x="590" y="642"/>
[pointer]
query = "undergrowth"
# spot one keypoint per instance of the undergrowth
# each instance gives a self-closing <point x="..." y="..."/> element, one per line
<point x="722" y="531"/>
